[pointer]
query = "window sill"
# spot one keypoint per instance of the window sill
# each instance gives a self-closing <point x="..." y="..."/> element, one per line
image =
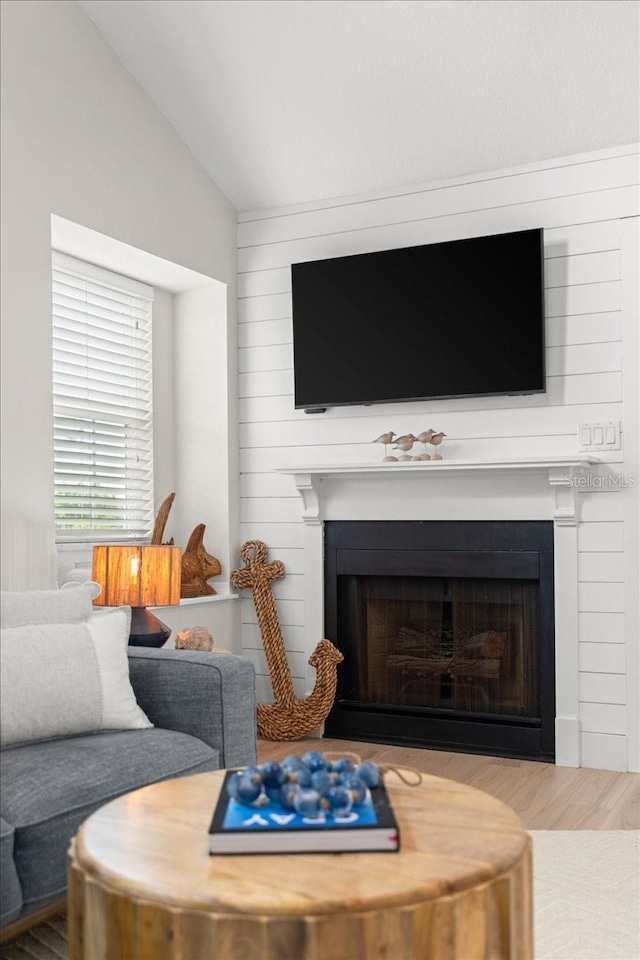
<point x="224" y="593"/>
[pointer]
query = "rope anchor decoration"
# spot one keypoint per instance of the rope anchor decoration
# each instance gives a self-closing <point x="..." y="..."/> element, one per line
<point x="287" y="718"/>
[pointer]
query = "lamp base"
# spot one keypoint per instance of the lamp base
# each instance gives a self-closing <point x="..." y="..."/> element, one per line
<point x="146" y="629"/>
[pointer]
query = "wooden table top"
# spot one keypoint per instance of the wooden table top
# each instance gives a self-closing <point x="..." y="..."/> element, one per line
<point x="153" y="844"/>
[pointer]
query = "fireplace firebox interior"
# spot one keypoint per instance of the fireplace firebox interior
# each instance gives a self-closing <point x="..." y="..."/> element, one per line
<point x="447" y="633"/>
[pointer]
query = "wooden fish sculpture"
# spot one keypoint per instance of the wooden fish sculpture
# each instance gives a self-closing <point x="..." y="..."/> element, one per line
<point x="197" y="567"/>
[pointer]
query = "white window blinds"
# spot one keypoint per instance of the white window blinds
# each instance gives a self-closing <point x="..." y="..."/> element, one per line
<point x="102" y="403"/>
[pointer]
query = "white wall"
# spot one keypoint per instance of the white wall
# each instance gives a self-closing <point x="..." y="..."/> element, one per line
<point x="82" y="141"/>
<point x="201" y="440"/>
<point x="164" y="420"/>
<point x="580" y="202"/>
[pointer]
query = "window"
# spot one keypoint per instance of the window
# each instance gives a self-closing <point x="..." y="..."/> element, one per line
<point x="102" y="403"/>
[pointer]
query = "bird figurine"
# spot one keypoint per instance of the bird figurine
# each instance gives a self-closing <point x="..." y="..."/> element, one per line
<point x="424" y="438"/>
<point x="405" y="438"/>
<point x="404" y="443"/>
<point x="386" y="439"/>
<point x="435" y="441"/>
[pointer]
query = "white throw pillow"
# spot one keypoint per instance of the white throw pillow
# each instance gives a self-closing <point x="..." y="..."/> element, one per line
<point x="45" y="606"/>
<point x="61" y="679"/>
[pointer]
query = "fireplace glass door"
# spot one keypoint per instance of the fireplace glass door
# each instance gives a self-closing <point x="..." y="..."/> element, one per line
<point x="447" y="644"/>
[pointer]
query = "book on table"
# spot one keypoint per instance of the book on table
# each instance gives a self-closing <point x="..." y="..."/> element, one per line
<point x="273" y="828"/>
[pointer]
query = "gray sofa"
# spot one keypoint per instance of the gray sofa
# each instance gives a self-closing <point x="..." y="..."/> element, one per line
<point x="203" y="709"/>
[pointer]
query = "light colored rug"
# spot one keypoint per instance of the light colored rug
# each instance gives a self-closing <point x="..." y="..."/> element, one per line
<point x="586" y="898"/>
<point x="587" y="894"/>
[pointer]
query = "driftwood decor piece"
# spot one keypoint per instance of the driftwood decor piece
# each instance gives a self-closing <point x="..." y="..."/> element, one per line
<point x="161" y="520"/>
<point x="287" y="718"/>
<point x="197" y="565"/>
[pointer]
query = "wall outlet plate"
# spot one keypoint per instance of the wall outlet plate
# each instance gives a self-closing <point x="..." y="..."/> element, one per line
<point x="601" y="435"/>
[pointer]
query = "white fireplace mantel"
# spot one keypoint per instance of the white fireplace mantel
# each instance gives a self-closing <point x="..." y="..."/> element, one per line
<point x="560" y="472"/>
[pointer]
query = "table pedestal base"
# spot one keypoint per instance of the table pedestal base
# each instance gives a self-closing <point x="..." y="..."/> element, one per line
<point x="492" y="921"/>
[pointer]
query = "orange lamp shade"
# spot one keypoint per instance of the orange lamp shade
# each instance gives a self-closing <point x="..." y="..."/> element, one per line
<point x="137" y="576"/>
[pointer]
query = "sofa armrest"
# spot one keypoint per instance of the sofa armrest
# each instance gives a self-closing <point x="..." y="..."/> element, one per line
<point x="208" y="695"/>
<point x="9" y="883"/>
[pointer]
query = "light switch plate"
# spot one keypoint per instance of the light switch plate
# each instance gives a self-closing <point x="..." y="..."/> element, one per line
<point x="601" y="435"/>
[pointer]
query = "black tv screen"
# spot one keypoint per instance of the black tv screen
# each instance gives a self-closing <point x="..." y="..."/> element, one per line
<point x="457" y="319"/>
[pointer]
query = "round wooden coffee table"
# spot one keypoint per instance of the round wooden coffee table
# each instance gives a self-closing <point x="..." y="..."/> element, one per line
<point x="142" y="884"/>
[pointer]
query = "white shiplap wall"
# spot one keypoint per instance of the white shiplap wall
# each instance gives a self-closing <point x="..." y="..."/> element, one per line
<point x="580" y="202"/>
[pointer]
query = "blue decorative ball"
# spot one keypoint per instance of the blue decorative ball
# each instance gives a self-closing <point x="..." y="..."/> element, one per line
<point x="300" y="775"/>
<point x="307" y="803"/>
<point x="316" y="761"/>
<point x="253" y="773"/>
<point x="357" y="788"/>
<point x="292" y="762"/>
<point x="369" y="772"/>
<point x="338" y="800"/>
<point x="321" y="780"/>
<point x="288" y="794"/>
<point x="344" y="766"/>
<point x="247" y="790"/>
<point x="272" y="774"/>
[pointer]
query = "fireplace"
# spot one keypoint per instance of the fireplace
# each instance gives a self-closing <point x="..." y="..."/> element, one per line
<point x="447" y="630"/>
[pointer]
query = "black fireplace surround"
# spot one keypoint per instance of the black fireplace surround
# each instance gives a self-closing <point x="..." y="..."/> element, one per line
<point x="447" y="630"/>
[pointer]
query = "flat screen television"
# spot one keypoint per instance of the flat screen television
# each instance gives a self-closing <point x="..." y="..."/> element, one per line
<point x="458" y="319"/>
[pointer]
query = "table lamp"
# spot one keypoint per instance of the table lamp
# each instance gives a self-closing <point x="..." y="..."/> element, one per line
<point x="139" y="576"/>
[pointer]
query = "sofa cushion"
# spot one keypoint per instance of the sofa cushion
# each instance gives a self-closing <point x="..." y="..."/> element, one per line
<point x="60" y="679"/>
<point x="11" y="900"/>
<point x="48" y="789"/>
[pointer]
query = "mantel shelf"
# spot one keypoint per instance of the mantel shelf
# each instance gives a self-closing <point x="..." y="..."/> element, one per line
<point x="569" y="462"/>
<point x="559" y="468"/>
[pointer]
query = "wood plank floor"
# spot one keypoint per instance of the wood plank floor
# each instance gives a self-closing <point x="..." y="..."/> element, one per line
<point x="545" y="797"/>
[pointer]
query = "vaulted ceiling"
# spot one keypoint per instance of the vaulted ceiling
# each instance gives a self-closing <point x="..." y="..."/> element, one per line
<point x="287" y="101"/>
